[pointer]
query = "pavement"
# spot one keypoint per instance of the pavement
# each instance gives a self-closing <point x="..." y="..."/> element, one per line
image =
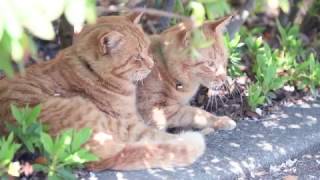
<point x="251" y="151"/>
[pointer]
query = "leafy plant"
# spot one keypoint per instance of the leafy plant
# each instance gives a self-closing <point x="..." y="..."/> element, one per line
<point x="7" y="151"/>
<point x="65" y="152"/>
<point x="266" y="68"/>
<point x="289" y="39"/>
<point x="255" y="96"/>
<point x="27" y="128"/>
<point x="19" y="18"/>
<point x="307" y="74"/>
<point x="234" y="47"/>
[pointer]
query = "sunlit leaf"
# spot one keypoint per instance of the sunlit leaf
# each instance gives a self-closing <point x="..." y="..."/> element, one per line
<point x="76" y="12"/>
<point x="47" y="143"/>
<point x="198" y="12"/>
<point x="51" y="9"/>
<point x="14" y="169"/>
<point x="16" y="50"/>
<point x="11" y="23"/>
<point x="91" y="14"/>
<point x="33" y="20"/>
<point x="284" y="5"/>
<point x="1" y="27"/>
<point x="40" y="27"/>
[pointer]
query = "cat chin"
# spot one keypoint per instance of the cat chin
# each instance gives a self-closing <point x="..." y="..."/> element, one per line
<point x="139" y="76"/>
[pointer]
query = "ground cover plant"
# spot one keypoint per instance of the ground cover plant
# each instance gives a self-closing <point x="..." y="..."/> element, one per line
<point x="54" y="157"/>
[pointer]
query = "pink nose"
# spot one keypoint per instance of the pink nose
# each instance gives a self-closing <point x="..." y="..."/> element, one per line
<point x="149" y="62"/>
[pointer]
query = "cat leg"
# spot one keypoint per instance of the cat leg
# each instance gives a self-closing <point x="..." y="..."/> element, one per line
<point x="193" y="117"/>
<point x="76" y="112"/>
<point x="154" y="148"/>
<point x="118" y="144"/>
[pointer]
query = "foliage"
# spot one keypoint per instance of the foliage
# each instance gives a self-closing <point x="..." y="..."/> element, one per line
<point x="200" y="10"/>
<point x="273" y="68"/>
<point x="7" y="151"/>
<point x="19" y="18"/>
<point x="65" y="152"/>
<point x="284" y="5"/>
<point x="266" y="67"/>
<point x="255" y="96"/>
<point x="307" y="74"/>
<point x="28" y="129"/>
<point x="234" y="47"/>
<point x="61" y="153"/>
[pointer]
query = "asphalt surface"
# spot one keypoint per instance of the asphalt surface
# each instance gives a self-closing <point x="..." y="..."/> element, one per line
<point x="256" y="149"/>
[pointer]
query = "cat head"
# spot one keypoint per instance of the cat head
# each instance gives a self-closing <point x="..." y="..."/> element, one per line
<point x="210" y="67"/>
<point x="115" y="46"/>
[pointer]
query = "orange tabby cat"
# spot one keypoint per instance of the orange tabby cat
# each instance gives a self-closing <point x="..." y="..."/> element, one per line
<point x="92" y="84"/>
<point x="163" y="97"/>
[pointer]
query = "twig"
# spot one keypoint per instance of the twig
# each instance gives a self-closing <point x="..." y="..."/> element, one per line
<point x="150" y="11"/>
<point x="234" y="26"/>
<point x="164" y="22"/>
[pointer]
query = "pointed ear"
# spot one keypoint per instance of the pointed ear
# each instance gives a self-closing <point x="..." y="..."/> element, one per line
<point x="181" y="32"/>
<point x="218" y="25"/>
<point x="110" y="42"/>
<point x="135" y="17"/>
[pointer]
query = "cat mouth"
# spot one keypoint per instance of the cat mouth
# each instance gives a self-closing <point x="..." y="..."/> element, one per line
<point x="140" y="75"/>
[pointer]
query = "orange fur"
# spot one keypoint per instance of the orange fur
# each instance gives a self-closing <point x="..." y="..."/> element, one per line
<point x="92" y="84"/>
<point x="164" y="105"/>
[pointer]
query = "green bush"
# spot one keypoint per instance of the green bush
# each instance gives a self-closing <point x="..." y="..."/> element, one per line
<point x="62" y="154"/>
<point x="18" y="19"/>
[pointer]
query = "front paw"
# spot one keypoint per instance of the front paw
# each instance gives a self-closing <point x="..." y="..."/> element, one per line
<point x="224" y="123"/>
<point x="207" y="131"/>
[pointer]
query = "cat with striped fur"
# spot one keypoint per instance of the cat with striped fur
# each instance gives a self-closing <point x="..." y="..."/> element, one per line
<point x="163" y="97"/>
<point x="93" y="84"/>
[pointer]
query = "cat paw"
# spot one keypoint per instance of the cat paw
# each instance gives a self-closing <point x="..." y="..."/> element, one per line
<point x="224" y="123"/>
<point x="207" y="131"/>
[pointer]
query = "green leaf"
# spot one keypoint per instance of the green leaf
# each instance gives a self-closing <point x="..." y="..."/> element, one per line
<point x="197" y="12"/>
<point x="81" y="137"/>
<point x="33" y="114"/>
<point x="47" y="143"/>
<point x="54" y="177"/>
<point x="284" y="5"/>
<point x="17" y="50"/>
<point x="17" y="114"/>
<point x="91" y="14"/>
<point x="75" y="12"/>
<point x="52" y="10"/>
<point x="11" y="23"/>
<point x="40" y="167"/>
<point x="66" y="174"/>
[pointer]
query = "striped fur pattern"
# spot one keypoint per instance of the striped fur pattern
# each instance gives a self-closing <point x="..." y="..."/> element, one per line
<point x="93" y="84"/>
<point x="163" y="97"/>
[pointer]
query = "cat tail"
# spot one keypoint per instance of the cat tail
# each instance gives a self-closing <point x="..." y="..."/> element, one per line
<point x="182" y="150"/>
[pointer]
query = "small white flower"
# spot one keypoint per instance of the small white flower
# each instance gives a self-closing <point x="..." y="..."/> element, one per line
<point x="14" y="169"/>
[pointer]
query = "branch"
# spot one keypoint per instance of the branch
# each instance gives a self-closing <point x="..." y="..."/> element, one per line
<point x="240" y="17"/>
<point x="150" y="11"/>
<point x="164" y="22"/>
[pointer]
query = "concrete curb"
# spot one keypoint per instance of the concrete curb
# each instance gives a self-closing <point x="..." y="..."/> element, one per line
<point x="252" y="146"/>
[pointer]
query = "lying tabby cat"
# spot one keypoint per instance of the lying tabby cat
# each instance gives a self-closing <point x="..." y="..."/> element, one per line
<point x="163" y="97"/>
<point x="92" y="84"/>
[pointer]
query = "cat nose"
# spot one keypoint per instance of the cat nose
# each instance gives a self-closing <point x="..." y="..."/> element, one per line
<point x="149" y="62"/>
<point x="221" y="72"/>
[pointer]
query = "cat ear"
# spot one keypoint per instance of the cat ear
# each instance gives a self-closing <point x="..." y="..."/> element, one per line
<point x="183" y="33"/>
<point x="110" y="42"/>
<point x="135" y="17"/>
<point x="218" y="25"/>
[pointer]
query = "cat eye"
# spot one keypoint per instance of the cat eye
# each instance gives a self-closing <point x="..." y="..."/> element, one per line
<point x="211" y="63"/>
